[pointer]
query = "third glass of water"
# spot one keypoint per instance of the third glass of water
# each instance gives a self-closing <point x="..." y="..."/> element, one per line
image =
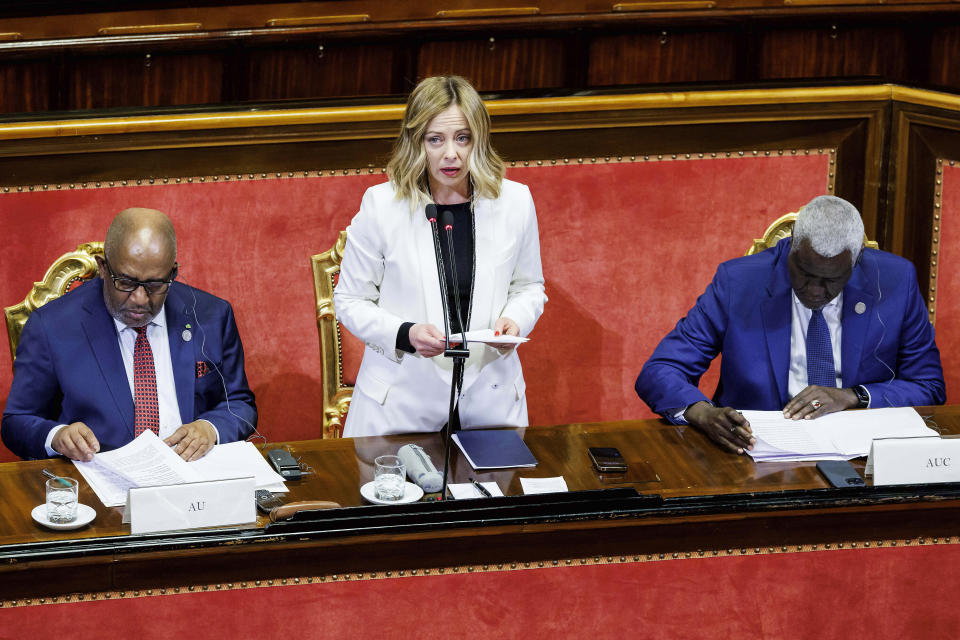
<point x="389" y="478"/>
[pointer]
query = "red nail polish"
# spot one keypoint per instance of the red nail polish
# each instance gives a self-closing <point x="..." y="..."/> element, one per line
<point x="496" y="333"/>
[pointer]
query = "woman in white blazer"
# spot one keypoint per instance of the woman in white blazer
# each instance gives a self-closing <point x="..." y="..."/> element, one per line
<point x="389" y="296"/>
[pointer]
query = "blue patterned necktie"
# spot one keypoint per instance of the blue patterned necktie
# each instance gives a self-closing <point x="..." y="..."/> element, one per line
<point x="820" y="370"/>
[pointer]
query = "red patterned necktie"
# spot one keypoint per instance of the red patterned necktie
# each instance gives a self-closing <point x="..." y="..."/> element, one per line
<point x="146" y="412"/>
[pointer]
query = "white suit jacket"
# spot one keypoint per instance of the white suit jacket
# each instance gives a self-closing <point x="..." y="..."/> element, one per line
<point x="388" y="276"/>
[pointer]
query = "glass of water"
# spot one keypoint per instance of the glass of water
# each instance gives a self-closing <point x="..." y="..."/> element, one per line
<point x="389" y="478"/>
<point x="61" y="500"/>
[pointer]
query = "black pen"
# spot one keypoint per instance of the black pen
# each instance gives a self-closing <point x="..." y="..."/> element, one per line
<point x="482" y="489"/>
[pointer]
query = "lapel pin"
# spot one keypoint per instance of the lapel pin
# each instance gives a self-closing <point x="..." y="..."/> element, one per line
<point x="860" y="308"/>
<point x="187" y="335"/>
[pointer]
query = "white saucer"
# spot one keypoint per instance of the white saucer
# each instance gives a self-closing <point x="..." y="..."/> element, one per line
<point x="411" y="493"/>
<point x="85" y="516"/>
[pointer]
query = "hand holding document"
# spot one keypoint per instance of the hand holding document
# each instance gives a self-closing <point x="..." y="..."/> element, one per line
<point x="148" y="462"/>
<point x="837" y="436"/>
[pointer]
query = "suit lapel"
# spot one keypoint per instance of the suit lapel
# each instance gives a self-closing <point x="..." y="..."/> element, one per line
<point x="101" y="334"/>
<point x="485" y="227"/>
<point x="777" y="317"/>
<point x="181" y="351"/>
<point x="855" y="325"/>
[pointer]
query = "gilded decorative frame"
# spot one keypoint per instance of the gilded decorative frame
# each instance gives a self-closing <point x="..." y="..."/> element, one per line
<point x="336" y="394"/>
<point x="62" y="274"/>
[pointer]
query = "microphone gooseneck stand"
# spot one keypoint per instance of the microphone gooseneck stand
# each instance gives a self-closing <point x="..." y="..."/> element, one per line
<point x="459" y="355"/>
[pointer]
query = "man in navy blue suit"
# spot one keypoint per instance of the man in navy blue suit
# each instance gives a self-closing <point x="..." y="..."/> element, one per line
<point x="814" y="325"/>
<point x="128" y="351"/>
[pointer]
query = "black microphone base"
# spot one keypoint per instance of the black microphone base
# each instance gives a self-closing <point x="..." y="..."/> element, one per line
<point x="456" y="353"/>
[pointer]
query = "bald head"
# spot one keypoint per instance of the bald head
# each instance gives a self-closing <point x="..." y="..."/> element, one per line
<point x="141" y="232"/>
<point x="140" y="249"/>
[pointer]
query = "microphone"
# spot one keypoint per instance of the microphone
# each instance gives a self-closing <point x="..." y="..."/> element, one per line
<point x="447" y="218"/>
<point x="420" y="468"/>
<point x="431" y="213"/>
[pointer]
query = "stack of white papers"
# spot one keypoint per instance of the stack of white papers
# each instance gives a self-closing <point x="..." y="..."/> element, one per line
<point x="149" y="462"/>
<point x="837" y="436"/>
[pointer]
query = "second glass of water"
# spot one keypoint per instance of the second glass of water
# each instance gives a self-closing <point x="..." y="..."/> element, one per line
<point x="389" y="478"/>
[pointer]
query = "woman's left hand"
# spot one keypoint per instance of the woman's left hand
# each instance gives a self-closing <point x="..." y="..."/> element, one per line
<point x="505" y="326"/>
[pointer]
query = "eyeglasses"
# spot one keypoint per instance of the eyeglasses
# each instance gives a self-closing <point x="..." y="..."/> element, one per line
<point x="152" y="287"/>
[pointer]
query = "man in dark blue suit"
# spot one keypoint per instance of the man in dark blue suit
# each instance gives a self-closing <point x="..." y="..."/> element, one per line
<point x="814" y="325"/>
<point x="128" y="351"/>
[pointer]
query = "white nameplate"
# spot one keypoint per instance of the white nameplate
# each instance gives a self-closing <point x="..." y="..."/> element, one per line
<point x="914" y="460"/>
<point x="191" y="505"/>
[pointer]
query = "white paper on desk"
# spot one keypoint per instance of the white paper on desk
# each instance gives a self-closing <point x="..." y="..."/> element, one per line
<point x="486" y="336"/>
<point x="837" y="436"/>
<point x="463" y="490"/>
<point x="237" y="460"/>
<point x="147" y="461"/>
<point x="543" y="485"/>
<point x="109" y="487"/>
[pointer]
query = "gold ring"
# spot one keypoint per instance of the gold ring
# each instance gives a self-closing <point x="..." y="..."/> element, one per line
<point x="816" y="404"/>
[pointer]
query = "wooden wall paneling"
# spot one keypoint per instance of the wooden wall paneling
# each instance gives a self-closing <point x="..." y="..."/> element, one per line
<point x="862" y="166"/>
<point x="944" y="62"/>
<point x="663" y="56"/>
<point x="144" y="79"/>
<point x="920" y="136"/>
<point x="834" y="50"/>
<point x="544" y="133"/>
<point x="327" y="69"/>
<point x="28" y="86"/>
<point x="561" y="48"/>
<point x="498" y="63"/>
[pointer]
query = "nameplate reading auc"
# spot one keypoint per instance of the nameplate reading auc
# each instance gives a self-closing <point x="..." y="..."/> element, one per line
<point x="914" y="460"/>
<point x="191" y="505"/>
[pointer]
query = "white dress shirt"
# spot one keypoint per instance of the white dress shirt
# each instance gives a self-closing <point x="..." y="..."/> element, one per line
<point x="160" y="346"/>
<point x="832" y="312"/>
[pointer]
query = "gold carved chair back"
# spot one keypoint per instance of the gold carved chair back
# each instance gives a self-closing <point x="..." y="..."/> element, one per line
<point x="340" y="351"/>
<point x="68" y="271"/>
<point x="782" y="228"/>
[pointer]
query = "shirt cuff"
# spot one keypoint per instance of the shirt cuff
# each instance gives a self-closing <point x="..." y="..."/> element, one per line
<point x="50" y="436"/>
<point x="403" y="338"/>
<point x="215" y="430"/>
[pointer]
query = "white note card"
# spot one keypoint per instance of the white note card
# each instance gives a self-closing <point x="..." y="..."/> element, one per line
<point x="464" y="490"/>
<point x="543" y="485"/>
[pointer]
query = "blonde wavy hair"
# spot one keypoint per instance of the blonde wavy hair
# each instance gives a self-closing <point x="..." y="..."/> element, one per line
<point x="407" y="168"/>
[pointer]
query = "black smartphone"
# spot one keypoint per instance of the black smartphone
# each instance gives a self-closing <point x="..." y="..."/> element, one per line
<point x="266" y="500"/>
<point x="840" y="473"/>
<point x="284" y="464"/>
<point x="607" y="460"/>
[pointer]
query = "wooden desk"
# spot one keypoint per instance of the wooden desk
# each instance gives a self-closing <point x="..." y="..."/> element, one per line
<point x="693" y="500"/>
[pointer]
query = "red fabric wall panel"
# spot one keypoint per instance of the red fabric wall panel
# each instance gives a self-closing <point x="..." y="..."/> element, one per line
<point x="948" y="281"/>
<point x="249" y="242"/>
<point x="872" y="593"/>
<point x="626" y="249"/>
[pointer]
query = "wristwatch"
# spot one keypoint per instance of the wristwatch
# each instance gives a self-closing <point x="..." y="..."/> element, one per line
<point x="863" y="398"/>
